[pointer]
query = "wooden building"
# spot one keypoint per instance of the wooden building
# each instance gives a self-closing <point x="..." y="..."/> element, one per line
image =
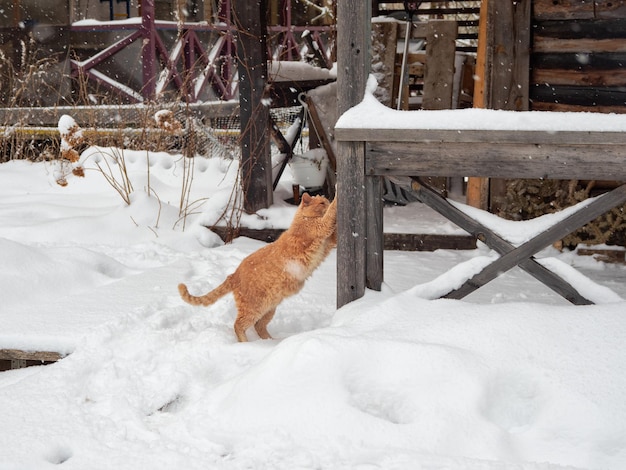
<point x="531" y="55"/>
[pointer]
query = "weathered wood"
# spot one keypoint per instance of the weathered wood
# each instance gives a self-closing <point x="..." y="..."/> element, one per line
<point x="507" y="55"/>
<point x="497" y="160"/>
<point x="428" y="242"/>
<point x="256" y="164"/>
<point x="497" y="243"/>
<point x="432" y="136"/>
<point x="579" y="95"/>
<point x="18" y="354"/>
<point x="579" y="61"/>
<point x="563" y="9"/>
<point x="374" y="235"/>
<point x="110" y="116"/>
<point x="548" y="44"/>
<point x="610" y="9"/>
<point x="351" y="221"/>
<point x="477" y="194"/>
<point x="616" y="255"/>
<point x="353" y="61"/>
<point x="512" y="258"/>
<point x="502" y="67"/>
<point x="320" y="131"/>
<point x="539" y="106"/>
<point x="391" y="241"/>
<point x="439" y="66"/>
<point x="597" y="78"/>
<point x="384" y="43"/>
<point x="581" y="29"/>
<point x="482" y="67"/>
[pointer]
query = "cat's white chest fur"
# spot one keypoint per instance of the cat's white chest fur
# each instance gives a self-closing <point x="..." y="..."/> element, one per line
<point x="296" y="269"/>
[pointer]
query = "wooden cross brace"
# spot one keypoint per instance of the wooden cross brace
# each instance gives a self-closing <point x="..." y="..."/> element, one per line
<point x="522" y="255"/>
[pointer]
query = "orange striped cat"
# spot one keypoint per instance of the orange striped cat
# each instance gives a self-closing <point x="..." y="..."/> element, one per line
<point x="278" y="270"/>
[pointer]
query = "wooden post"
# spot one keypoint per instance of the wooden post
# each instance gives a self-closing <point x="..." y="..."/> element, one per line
<point x="439" y="66"/>
<point x="502" y="70"/>
<point x="256" y="164"/>
<point x="148" y="51"/>
<point x="353" y="61"/>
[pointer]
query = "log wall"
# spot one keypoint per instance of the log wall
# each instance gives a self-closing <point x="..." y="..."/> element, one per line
<point x="578" y="55"/>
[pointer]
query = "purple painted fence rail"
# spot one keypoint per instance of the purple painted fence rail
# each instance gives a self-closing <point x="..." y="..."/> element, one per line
<point x="191" y="64"/>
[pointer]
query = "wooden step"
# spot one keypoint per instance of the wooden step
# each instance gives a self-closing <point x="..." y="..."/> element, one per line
<point x="393" y="241"/>
<point x="17" y="359"/>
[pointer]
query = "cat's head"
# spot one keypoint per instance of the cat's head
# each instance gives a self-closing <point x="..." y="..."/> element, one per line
<point x="313" y="206"/>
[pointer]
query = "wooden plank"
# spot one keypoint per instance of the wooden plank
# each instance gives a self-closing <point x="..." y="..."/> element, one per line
<point x="256" y="163"/>
<point x="581" y="29"/>
<point x="499" y="161"/>
<point x="507" y="261"/>
<point x="616" y="255"/>
<point x="478" y="192"/>
<point x="579" y="61"/>
<point x="384" y="42"/>
<point x="17" y="354"/>
<point x="428" y="242"/>
<point x="510" y="55"/>
<point x="111" y="116"/>
<point x="430" y="136"/>
<point x="563" y="9"/>
<point x="439" y="66"/>
<point x="374" y="243"/>
<point x="548" y="44"/>
<point x="610" y="9"/>
<point x="353" y="62"/>
<point x="391" y="241"/>
<point x="579" y="95"/>
<point x="503" y="56"/>
<point x="482" y="64"/>
<point x="542" y="106"/>
<point x="598" y="78"/>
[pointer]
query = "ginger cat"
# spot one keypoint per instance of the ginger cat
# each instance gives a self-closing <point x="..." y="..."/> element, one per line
<point x="278" y="270"/>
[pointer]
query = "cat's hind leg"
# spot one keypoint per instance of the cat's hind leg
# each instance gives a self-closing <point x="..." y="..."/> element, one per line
<point x="242" y="323"/>
<point x="261" y="325"/>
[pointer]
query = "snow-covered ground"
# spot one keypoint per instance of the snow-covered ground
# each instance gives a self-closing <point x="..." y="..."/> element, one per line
<point x="513" y="377"/>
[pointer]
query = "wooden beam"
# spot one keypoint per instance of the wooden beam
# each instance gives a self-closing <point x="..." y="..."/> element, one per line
<point x="148" y="51"/>
<point x="393" y="241"/>
<point x="497" y="243"/>
<point x="19" y="355"/>
<point x="353" y="60"/>
<point x="497" y="160"/>
<point x="563" y="9"/>
<point x="256" y="164"/>
<point x="555" y="233"/>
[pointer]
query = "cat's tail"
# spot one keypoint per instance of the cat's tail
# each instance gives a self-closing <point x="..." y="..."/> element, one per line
<point x="206" y="299"/>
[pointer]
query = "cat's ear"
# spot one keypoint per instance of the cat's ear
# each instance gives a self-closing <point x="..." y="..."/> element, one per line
<point x="306" y="199"/>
